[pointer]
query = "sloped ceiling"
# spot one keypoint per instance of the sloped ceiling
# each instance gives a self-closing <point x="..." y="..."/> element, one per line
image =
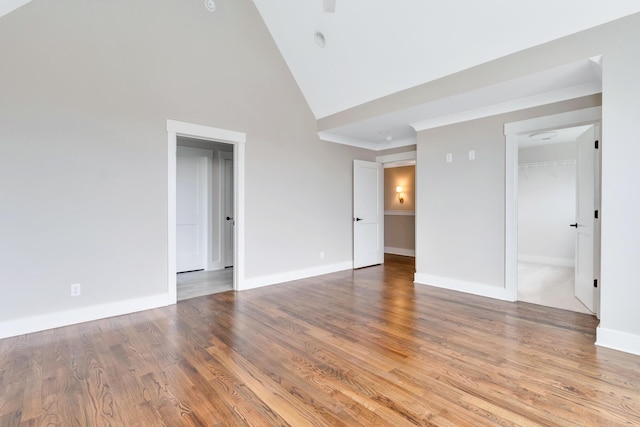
<point x="375" y="48"/>
<point x="8" y="6"/>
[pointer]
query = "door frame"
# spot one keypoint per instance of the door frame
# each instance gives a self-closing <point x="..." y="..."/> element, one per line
<point x="512" y="133"/>
<point x="404" y="158"/>
<point x="237" y="139"/>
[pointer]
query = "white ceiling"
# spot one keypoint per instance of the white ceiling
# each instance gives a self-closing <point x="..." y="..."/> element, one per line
<point x="375" y="48"/>
<point x="399" y="128"/>
<point x="556" y="136"/>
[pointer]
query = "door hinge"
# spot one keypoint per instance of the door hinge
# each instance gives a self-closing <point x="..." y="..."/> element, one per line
<point x="597" y="144"/>
<point x="595" y="214"/>
<point x="595" y="283"/>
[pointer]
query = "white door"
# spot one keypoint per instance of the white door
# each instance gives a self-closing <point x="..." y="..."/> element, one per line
<point x="587" y="189"/>
<point x="368" y="214"/>
<point x="191" y="208"/>
<point x="229" y="221"/>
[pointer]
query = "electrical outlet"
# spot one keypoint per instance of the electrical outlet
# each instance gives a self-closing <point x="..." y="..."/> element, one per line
<point x="472" y="154"/>
<point x="321" y="254"/>
<point x="75" y="290"/>
<point x="449" y="157"/>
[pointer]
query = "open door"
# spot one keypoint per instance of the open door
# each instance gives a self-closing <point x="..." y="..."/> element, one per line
<point x="191" y="208"/>
<point x="229" y="221"/>
<point x="368" y="214"/>
<point x="587" y="230"/>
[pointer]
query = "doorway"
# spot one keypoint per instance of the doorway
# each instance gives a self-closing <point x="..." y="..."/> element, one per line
<point x="399" y="210"/>
<point x="547" y="185"/>
<point x="205" y="135"/>
<point x="539" y="242"/>
<point x="204" y="204"/>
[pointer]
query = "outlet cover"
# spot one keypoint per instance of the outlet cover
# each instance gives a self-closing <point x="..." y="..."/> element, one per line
<point x="75" y="290"/>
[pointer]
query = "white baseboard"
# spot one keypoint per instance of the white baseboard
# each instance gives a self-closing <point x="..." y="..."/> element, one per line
<point x="616" y="340"/>
<point x="560" y="262"/>
<point x="399" y="251"/>
<point x="274" y="279"/>
<point x="480" y="289"/>
<point x="43" y="322"/>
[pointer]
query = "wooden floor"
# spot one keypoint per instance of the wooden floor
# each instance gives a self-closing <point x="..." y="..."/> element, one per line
<point x="355" y="348"/>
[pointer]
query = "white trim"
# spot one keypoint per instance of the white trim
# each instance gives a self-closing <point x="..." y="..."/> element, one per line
<point x="560" y="262"/>
<point x="239" y="189"/>
<point x="509" y="106"/>
<point x="617" y="340"/>
<point x="512" y="131"/>
<point x="511" y="216"/>
<point x="399" y="164"/>
<point x="572" y="118"/>
<point x="400" y="251"/>
<point x="174" y="129"/>
<point x="398" y="157"/>
<point x="400" y="213"/>
<point x="480" y="289"/>
<point x="172" y="158"/>
<point x="206" y="132"/>
<point x="58" y="319"/>
<point x="361" y="143"/>
<point x="274" y="279"/>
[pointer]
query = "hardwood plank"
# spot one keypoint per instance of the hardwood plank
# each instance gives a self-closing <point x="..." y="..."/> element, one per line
<point x="363" y="347"/>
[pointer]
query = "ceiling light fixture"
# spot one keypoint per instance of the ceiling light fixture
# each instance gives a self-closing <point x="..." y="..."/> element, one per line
<point x="320" y="39"/>
<point x="543" y="136"/>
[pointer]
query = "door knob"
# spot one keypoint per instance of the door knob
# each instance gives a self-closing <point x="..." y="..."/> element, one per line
<point x="229" y="218"/>
<point x="357" y="219"/>
<point x="574" y="225"/>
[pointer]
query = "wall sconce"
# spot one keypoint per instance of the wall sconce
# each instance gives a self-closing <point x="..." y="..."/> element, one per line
<point x="399" y="191"/>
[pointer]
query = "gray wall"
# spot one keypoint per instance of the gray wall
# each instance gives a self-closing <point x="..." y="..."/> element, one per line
<point x="460" y="219"/>
<point x="86" y="89"/>
<point x="617" y="43"/>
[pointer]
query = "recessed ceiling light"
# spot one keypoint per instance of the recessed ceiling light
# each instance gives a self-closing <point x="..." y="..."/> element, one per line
<point x="210" y="5"/>
<point x="320" y="39"/>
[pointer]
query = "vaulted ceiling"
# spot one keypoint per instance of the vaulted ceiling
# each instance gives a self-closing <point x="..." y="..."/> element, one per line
<point x="374" y="48"/>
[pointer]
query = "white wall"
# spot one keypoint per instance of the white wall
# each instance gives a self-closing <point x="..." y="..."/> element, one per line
<point x="547" y="204"/>
<point x="87" y="88"/>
